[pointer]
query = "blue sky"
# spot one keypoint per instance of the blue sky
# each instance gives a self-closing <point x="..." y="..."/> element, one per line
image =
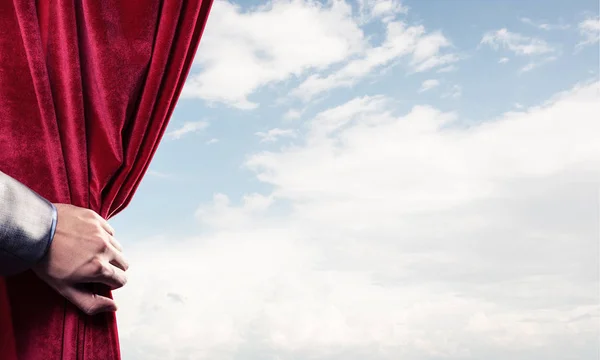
<point x="418" y="157"/>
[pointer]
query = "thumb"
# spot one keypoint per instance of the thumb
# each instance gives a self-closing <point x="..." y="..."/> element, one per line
<point x="89" y="302"/>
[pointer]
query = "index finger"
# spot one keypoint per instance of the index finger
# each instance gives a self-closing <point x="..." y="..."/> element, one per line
<point x="105" y="225"/>
<point x="115" y="243"/>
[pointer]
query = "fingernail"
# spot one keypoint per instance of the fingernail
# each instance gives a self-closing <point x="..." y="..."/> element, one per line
<point x="109" y="309"/>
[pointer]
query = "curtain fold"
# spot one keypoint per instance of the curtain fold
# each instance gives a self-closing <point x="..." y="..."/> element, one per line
<point x="86" y="92"/>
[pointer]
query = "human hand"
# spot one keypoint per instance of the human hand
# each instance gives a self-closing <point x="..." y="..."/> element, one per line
<point x="84" y="250"/>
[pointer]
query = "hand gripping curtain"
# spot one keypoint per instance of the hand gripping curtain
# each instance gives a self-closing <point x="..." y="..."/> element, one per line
<point x="86" y="91"/>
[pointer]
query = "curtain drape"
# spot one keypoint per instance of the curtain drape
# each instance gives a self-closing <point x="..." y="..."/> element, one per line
<point x="86" y="91"/>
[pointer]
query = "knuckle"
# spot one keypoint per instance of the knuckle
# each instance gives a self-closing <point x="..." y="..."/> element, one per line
<point x="106" y="272"/>
<point x="98" y="227"/>
<point x="97" y="267"/>
<point x="88" y="309"/>
<point x="120" y="279"/>
<point x="89" y="214"/>
<point x="101" y="242"/>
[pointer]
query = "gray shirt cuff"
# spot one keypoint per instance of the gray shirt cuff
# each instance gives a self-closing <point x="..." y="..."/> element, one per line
<point x="52" y="228"/>
<point x="27" y="226"/>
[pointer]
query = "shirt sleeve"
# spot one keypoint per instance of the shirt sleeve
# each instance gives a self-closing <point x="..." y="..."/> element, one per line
<point x="27" y="226"/>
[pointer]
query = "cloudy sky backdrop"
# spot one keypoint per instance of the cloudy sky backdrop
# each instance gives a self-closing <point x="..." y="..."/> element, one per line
<point x="375" y="180"/>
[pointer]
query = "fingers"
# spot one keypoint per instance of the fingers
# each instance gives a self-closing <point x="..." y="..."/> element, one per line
<point x="109" y="275"/>
<point x="111" y="233"/>
<point x="113" y="277"/>
<point x="114" y="255"/>
<point x="115" y="243"/>
<point x="88" y="302"/>
<point x="105" y="225"/>
<point x="107" y="267"/>
<point x="103" y="272"/>
<point x="119" y="261"/>
<point x="109" y="229"/>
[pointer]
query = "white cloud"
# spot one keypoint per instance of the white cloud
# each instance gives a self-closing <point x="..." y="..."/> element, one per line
<point x="220" y="212"/>
<point x="212" y="141"/>
<point x="274" y="134"/>
<point x="389" y="237"/>
<point x="242" y="51"/>
<point x="159" y="174"/>
<point x="537" y="63"/>
<point x="454" y="93"/>
<point x="187" y="128"/>
<point x="386" y="10"/>
<point x="516" y="43"/>
<point x="537" y="50"/>
<point x="590" y="31"/>
<point x="292" y="114"/>
<point x="447" y="69"/>
<point x="425" y="52"/>
<point x="544" y="25"/>
<point x="429" y="84"/>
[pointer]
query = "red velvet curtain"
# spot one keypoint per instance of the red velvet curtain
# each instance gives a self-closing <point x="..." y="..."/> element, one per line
<point x="86" y="91"/>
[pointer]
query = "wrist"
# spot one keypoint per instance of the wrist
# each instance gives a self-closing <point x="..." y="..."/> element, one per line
<point x="52" y="228"/>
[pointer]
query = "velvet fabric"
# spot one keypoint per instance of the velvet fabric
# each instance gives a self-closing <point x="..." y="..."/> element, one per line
<point x="86" y="91"/>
